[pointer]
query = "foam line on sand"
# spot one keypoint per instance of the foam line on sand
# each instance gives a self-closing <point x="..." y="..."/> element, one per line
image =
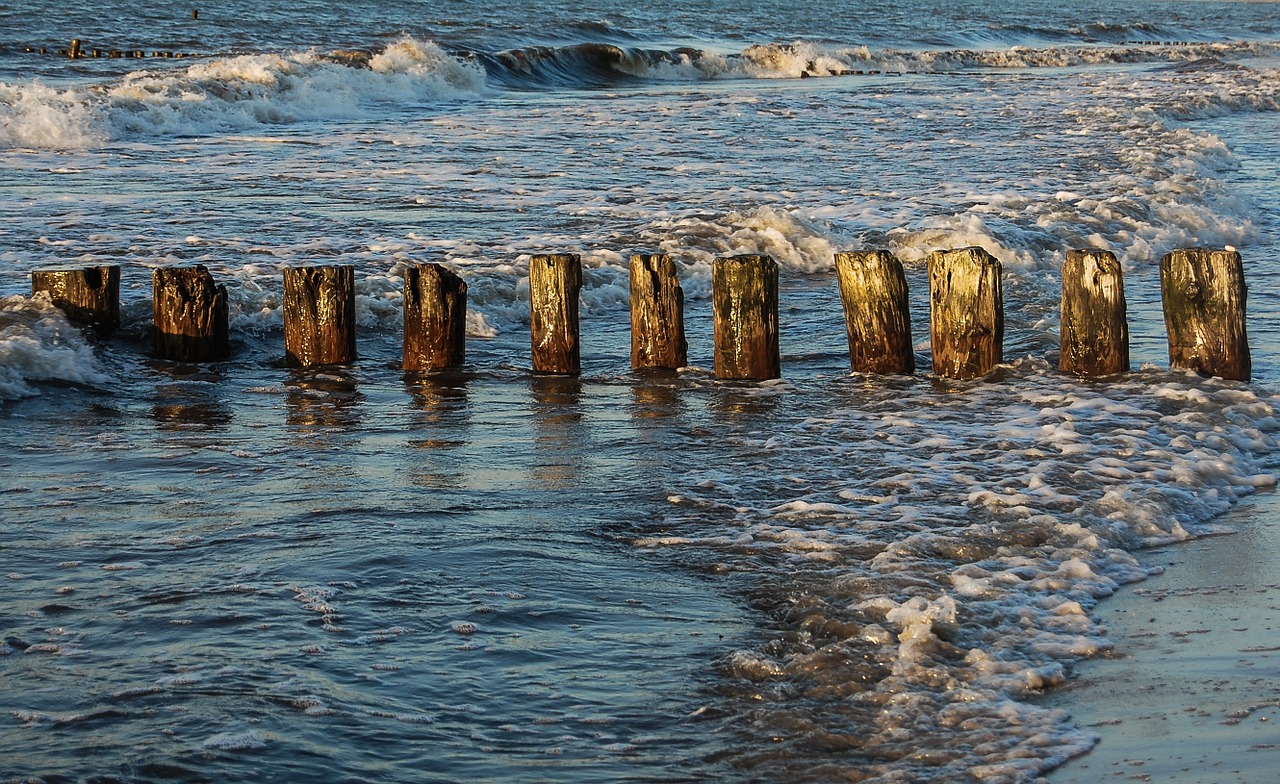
<point x="1192" y="692"/>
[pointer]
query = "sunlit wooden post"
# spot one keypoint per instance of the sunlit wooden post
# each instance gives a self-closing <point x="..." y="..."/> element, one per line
<point x="319" y="315"/>
<point x="657" y="314"/>
<point x="87" y="295"/>
<point x="1204" y="311"/>
<point x="966" y="319"/>
<point x="435" y="318"/>
<point x="745" y="300"/>
<point x="873" y="288"/>
<point x="1095" y="327"/>
<point x="188" y="315"/>
<point x="555" y="282"/>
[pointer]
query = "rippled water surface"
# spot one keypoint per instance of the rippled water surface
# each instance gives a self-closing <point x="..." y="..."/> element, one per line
<point x="239" y="571"/>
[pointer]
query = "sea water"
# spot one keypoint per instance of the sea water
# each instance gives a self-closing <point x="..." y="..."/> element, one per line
<point x="240" y="571"/>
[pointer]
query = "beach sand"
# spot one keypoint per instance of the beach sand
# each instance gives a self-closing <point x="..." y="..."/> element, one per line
<point x="1192" y="691"/>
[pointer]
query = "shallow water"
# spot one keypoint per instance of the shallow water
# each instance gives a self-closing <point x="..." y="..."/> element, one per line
<point x="245" y="571"/>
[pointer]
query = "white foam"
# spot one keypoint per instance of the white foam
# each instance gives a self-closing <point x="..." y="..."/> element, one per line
<point x="37" y="343"/>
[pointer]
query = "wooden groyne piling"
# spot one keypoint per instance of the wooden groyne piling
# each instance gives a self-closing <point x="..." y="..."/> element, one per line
<point x="87" y="295"/>
<point x="319" y="315"/>
<point x="873" y="290"/>
<point x="966" y="316"/>
<point x="745" y="301"/>
<point x="435" y="319"/>
<point x="1203" y="292"/>
<point x="657" y="314"/>
<point x="555" y="282"/>
<point x="1204" y="312"/>
<point x="1095" y="327"/>
<point x="188" y="315"/>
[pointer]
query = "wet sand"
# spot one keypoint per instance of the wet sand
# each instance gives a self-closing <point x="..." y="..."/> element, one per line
<point x="1192" y="692"/>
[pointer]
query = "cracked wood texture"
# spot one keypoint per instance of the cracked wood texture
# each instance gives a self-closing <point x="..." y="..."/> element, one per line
<point x="1095" y="327"/>
<point x="745" y="300"/>
<point x="319" y="315"/>
<point x="87" y="295"/>
<point x="873" y="288"/>
<point x="657" y="314"/>
<point x="435" y="318"/>
<point x="188" y="315"/>
<point x="966" y="319"/>
<point x="1204" y="312"/>
<point x="555" y="282"/>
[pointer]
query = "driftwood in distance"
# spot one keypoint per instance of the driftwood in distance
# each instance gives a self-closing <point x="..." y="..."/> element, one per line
<point x="435" y="318"/>
<point x="657" y="314"/>
<point x="555" y="282"/>
<point x="319" y="315"/>
<point x="1204" y="312"/>
<point x="873" y="289"/>
<point x="966" y="318"/>
<point x="188" y="315"/>
<point x="745" y="301"/>
<point x="1095" y="326"/>
<point x="87" y="295"/>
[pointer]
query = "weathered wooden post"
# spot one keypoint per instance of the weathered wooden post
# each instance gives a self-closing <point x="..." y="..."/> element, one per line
<point x="319" y="315"/>
<point x="966" y="319"/>
<point x="555" y="282"/>
<point x="745" y="300"/>
<point x="435" y="318"/>
<point x="74" y="51"/>
<point x="657" y="314"/>
<point x="1095" y="327"/>
<point x="188" y="315"/>
<point x="1204" y="311"/>
<point x="877" y="317"/>
<point x="88" y="295"/>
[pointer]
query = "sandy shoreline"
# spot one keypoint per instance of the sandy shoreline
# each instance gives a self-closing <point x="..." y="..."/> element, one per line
<point x="1192" y="692"/>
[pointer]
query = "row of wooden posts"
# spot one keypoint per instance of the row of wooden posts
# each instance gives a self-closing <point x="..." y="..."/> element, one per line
<point x="1203" y="293"/>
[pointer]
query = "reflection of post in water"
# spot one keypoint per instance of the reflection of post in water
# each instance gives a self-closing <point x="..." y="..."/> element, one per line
<point x="654" y="396"/>
<point x="440" y="429"/>
<point x="559" y="438"/>
<point x="745" y="401"/>
<point x="190" y="406"/>
<point x="441" y="397"/>
<point x="322" y="400"/>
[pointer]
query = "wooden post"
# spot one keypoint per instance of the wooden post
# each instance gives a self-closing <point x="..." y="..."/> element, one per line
<point x="88" y="295"/>
<point x="657" y="314"/>
<point x="74" y="51"/>
<point x="745" y="300"/>
<point x="1095" y="328"/>
<point x="188" y="315"/>
<point x="877" y="317"/>
<point x="435" y="318"/>
<point x="966" y="320"/>
<point x="1204" y="311"/>
<point x="554" y="284"/>
<point x="319" y="315"/>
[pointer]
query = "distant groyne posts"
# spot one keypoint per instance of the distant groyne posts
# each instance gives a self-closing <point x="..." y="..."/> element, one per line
<point x="88" y="295"/>
<point x="1204" y="311"/>
<point x="76" y="50"/>
<point x="744" y="294"/>
<point x="1203" y="294"/>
